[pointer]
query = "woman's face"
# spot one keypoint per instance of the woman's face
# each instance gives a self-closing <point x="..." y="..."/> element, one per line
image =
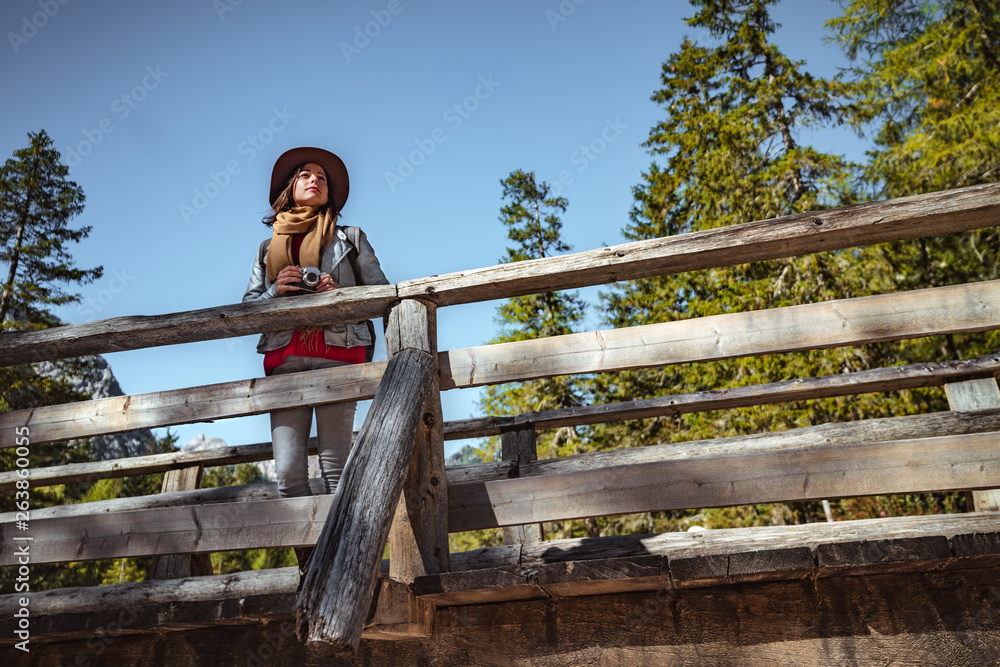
<point x="310" y="186"/>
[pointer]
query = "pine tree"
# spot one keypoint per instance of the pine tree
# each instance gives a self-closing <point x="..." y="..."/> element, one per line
<point x="929" y="81"/>
<point x="730" y="154"/>
<point x="533" y="224"/>
<point x="36" y="203"/>
<point x="927" y="86"/>
<point x="531" y="216"/>
<point x="729" y="151"/>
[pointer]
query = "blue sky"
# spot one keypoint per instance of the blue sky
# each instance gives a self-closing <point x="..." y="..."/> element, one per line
<point x="171" y="115"/>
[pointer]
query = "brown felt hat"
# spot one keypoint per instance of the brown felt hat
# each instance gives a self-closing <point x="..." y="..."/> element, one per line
<point x="336" y="172"/>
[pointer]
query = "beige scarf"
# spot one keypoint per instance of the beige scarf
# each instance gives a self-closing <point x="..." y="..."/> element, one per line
<point x="319" y="230"/>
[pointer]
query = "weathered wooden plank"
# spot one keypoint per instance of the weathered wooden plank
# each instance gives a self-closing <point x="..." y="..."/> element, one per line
<point x="92" y="599"/>
<point x="608" y="565"/>
<point x="418" y="538"/>
<point x="974" y="538"/>
<point x="340" y="581"/>
<point x="186" y="529"/>
<point x="893" y="619"/>
<point x="868" y="556"/>
<point x="182" y="604"/>
<point x="223" y="494"/>
<point x="976" y="394"/>
<point x="592" y="567"/>
<point x="983" y="548"/>
<point x="728" y="541"/>
<point x="891" y="428"/>
<point x="909" y="427"/>
<point x="518" y="446"/>
<point x="499" y="584"/>
<point x="178" y="566"/>
<point x="774" y="564"/>
<point x="969" y="308"/>
<point x="602" y="576"/>
<point x="929" y="464"/>
<point x="144" y="465"/>
<point x="882" y="379"/>
<point x="973" y="307"/>
<point x="112" y="532"/>
<point x="819" y="231"/>
<point x="204" y="403"/>
<point x="741" y="567"/>
<point x="832" y="622"/>
<point x="245" y="493"/>
<point x="804" y="233"/>
<point x="803" y="389"/>
<point x="349" y="304"/>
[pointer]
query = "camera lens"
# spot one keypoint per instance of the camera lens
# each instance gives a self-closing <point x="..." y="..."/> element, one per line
<point x="310" y="277"/>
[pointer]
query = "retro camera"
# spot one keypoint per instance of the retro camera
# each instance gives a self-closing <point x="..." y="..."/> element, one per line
<point x="310" y="279"/>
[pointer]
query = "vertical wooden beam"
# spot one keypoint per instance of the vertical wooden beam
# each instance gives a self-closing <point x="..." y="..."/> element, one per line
<point x="976" y="395"/>
<point x="338" y="586"/>
<point x="518" y="445"/>
<point x="397" y="613"/>
<point x="418" y="540"/>
<point x="178" y="566"/>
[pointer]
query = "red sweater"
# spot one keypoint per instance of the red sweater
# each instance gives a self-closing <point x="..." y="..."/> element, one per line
<point x="310" y="344"/>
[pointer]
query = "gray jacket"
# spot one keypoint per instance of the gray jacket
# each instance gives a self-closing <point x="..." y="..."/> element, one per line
<point x="334" y="261"/>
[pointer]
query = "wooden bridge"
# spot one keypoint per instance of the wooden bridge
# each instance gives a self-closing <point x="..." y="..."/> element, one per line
<point x="911" y="590"/>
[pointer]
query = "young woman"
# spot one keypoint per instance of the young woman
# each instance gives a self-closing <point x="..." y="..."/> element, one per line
<point x="309" y="187"/>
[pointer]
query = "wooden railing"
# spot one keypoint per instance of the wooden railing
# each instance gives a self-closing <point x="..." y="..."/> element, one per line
<point x="925" y="453"/>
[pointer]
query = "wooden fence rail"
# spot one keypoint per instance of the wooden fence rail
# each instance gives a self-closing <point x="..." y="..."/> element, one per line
<point x="119" y="414"/>
<point x="819" y="231"/>
<point x="949" y="463"/>
<point x="897" y="378"/>
<point x="717" y="551"/>
<point x="844" y="384"/>
<point x="969" y="308"/>
<point x="210" y="520"/>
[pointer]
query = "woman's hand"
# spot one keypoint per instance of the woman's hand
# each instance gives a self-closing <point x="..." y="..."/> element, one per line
<point x="326" y="284"/>
<point x="288" y="279"/>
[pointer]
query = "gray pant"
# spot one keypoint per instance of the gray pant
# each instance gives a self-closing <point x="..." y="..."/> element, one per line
<point x="290" y="436"/>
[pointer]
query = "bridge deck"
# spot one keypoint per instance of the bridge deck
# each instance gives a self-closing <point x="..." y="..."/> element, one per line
<point x="578" y="568"/>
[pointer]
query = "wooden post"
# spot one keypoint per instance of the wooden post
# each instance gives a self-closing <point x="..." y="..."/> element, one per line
<point x="397" y="613"/>
<point x="338" y="586"/>
<point x="978" y="394"/>
<point x="178" y="566"/>
<point x="518" y="445"/>
<point x="418" y="541"/>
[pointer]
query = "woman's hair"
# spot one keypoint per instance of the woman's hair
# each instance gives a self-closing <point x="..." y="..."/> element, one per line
<point x="285" y="201"/>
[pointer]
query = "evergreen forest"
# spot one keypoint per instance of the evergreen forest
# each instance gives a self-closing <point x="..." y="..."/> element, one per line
<point x="732" y="147"/>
